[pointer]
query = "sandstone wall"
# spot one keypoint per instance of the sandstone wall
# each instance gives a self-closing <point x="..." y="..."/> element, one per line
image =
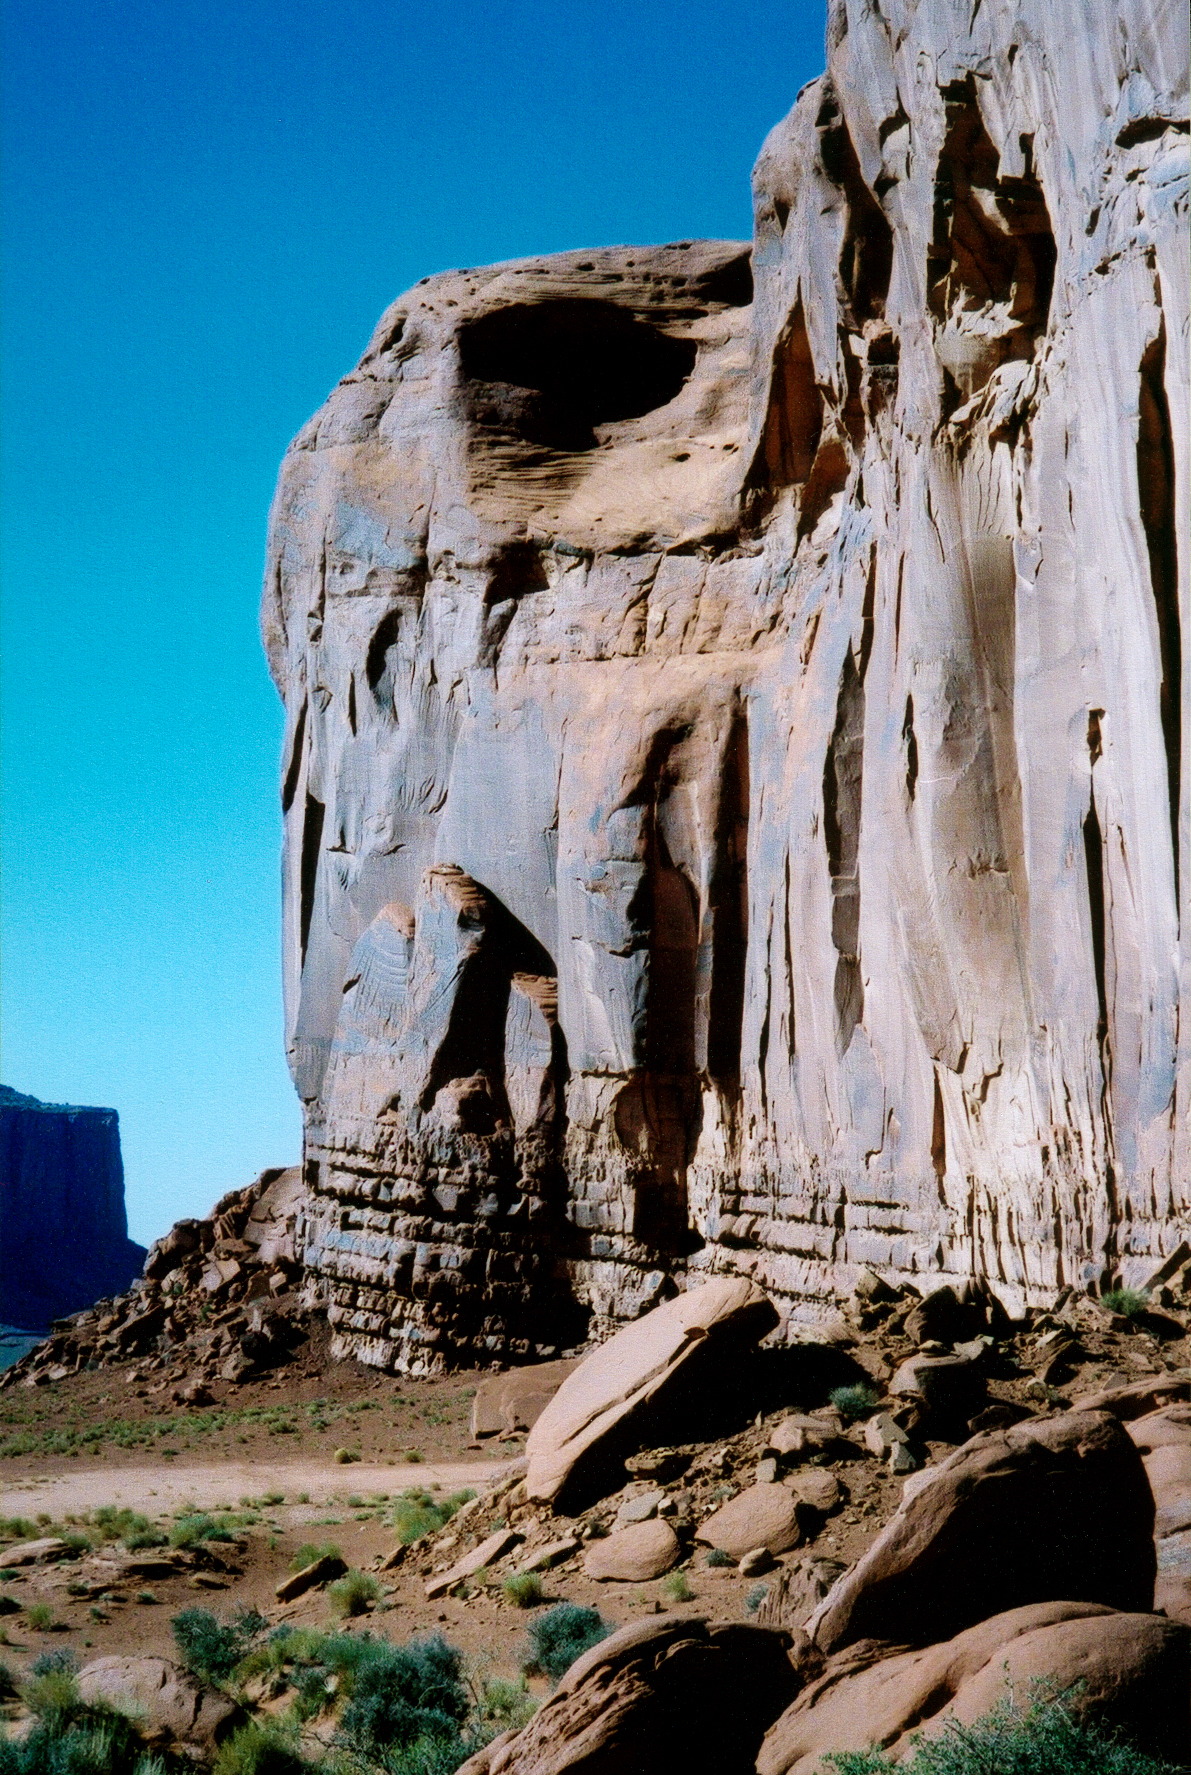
<point x="736" y="774"/>
<point x="64" y="1240"/>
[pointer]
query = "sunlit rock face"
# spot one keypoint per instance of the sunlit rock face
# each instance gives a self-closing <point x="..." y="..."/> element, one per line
<point x="736" y="777"/>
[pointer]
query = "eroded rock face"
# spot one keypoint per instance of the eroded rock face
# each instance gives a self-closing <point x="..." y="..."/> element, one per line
<point x="735" y="782"/>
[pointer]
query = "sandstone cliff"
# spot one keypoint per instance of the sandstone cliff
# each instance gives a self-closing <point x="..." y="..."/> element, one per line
<point x="65" y="1235"/>
<point x="736" y="774"/>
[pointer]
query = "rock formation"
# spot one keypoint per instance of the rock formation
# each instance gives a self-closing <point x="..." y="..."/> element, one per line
<point x="65" y="1237"/>
<point x="736" y="780"/>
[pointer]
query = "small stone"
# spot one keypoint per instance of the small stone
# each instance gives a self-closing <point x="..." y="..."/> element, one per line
<point x="640" y="1508"/>
<point x="755" y="1562"/>
<point x="768" y="1470"/>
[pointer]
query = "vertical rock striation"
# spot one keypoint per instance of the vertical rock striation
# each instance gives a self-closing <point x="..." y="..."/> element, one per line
<point x="65" y="1237"/>
<point x="735" y="780"/>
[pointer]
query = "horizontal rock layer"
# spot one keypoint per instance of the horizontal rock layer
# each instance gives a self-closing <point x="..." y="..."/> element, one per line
<point x="735" y="777"/>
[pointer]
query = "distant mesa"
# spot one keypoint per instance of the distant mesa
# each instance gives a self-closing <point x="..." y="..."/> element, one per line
<point x="64" y="1238"/>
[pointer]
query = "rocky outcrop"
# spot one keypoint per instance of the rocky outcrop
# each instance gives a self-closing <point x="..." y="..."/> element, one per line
<point x="217" y="1300"/>
<point x="65" y="1238"/>
<point x="736" y="779"/>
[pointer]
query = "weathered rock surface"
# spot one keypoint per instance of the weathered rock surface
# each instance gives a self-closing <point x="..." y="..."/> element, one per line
<point x="760" y="1516"/>
<point x="736" y="784"/>
<point x="1133" y="1672"/>
<point x="632" y="1555"/>
<point x="169" y="1705"/>
<point x="603" y="1408"/>
<point x="670" y="1696"/>
<point x="1057" y="1509"/>
<point x="65" y="1238"/>
<point x="506" y="1403"/>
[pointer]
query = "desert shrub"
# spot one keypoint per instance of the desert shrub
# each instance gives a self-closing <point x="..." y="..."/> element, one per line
<point x="756" y="1597"/>
<point x="211" y="1650"/>
<point x="523" y="1590"/>
<point x="62" y="1658"/>
<point x="1129" y="1302"/>
<point x="561" y="1635"/>
<point x="18" y="1528"/>
<point x="1043" y="1740"/>
<point x="129" y="1526"/>
<point x="406" y="1698"/>
<point x="352" y="1593"/>
<point x="260" y="1748"/>
<point x="417" y="1513"/>
<point x="190" y="1531"/>
<point x="678" y="1588"/>
<point x="504" y="1706"/>
<point x="40" y="1617"/>
<point x="855" y="1402"/>
<point x="309" y="1551"/>
<point x="717" y="1557"/>
<point x="9" y="1605"/>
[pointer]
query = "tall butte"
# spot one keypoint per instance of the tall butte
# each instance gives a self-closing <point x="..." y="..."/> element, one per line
<point x="737" y="761"/>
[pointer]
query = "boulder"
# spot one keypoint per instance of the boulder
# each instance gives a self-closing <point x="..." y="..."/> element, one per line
<point x="169" y="1705"/>
<point x="801" y="1433"/>
<point x="818" y="1489"/>
<point x="796" y="1592"/>
<point x="1052" y="1509"/>
<point x="40" y="1552"/>
<point x="599" y="1412"/>
<point x="951" y="1388"/>
<point x="310" y="1577"/>
<point x="761" y="1516"/>
<point x="506" y="1403"/>
<point x="660" y="1696"/>
<point x="1163" y="1439"/>
<point x="1133" y="1673"/>
<point x="1138" y="1398"/>
<point x="487" y="1553"/>
<point x="631" y="1555"/>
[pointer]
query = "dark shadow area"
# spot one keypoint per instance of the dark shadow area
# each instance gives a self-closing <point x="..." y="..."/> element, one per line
<point x="551" y="371"/>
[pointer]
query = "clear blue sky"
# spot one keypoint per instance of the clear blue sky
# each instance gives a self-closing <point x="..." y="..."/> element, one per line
<point x="206" y="209"/>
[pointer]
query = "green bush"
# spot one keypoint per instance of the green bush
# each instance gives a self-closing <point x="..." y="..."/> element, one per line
<point x="523" y="1590"/>
<point x="211" y="1650"/>
<point x="40" y="1617"/>
<point x="260" y="1749"/>
<point x="417" y="1513"/>
<point x="191" y="1531"/>
<point x="1129" y="1302"/>
<point x="353" y="1592"/>
<point x="505" y="1706"/>
<point x="678" y="1587"/>
<point x="717" y="1557"/>
<point x="561" y="1635"/>
<point x="855" y="1402"/>
<point x="309" y="1551"/>
<point x="406" y="1698"/>
<point x="1044" y="1740"/>
<point x="129" y="1526"/>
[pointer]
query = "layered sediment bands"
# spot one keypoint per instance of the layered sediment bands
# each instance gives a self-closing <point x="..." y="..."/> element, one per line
<point x="735" y="775"/>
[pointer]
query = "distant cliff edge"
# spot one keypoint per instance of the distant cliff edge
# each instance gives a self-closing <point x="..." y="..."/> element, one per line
<point x="64" y="1237"/>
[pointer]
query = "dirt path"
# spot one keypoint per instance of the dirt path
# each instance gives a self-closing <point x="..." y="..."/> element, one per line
<point x="162" y="1486"/>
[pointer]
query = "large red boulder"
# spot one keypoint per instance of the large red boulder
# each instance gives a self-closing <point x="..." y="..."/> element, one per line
<point x="1128" y="1672"/>
<point x="1057" y="1509"/>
